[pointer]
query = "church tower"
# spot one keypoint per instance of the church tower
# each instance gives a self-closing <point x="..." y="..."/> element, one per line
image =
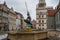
<point x="41" y="15"/>
<point x="42" y="3"/>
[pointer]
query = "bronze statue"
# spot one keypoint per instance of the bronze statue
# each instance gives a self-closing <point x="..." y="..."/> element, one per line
<point x="28" y="20"/>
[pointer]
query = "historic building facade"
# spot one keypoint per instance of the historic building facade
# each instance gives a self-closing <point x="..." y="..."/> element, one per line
<point x="57" y="17"/>
<point x="41" y="15"/>
<point x="22" y="21"/>
<point x="34" y="24"/>
<point x="12" y="19"/>
<point x="19" y="21"/>
<point x="4" y="17"/>
<point x="8" y="19"/>
<point x="51" y="19"/>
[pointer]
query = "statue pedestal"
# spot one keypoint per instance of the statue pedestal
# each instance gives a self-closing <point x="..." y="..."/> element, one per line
<point x="29" y="26"/>
<point x="34" y="35"/>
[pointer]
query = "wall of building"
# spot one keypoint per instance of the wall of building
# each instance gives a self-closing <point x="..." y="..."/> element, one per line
<point x="34" y="24"/>
<point x="51" y="23"/>
<point x="41" y="15"/>
<point x="57" y="17"/>
<point x="22" y="22"/>
<point x="41" y="18"/>
<point x="18" y="21"/>
<point x="8" y="18"/>
<point x="3" y="17"/>
<point x="57" y="20"/>
<point x="3" y="20"/>
<point x="12" y="21"/>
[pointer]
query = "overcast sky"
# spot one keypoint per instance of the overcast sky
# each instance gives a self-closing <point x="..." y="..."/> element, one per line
<point x="19" y="6"/>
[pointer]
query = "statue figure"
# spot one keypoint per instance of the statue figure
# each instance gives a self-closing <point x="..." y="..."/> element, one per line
<point x="28" y="20"/>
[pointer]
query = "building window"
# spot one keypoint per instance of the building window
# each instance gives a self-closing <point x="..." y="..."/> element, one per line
<point x="59" y="15"/>
<point x="40" y="12"/>
<point x="0" y="13"/>
<point x="39" y="21"/>
<point x="39" y="16"/>
<point x="5" y="14"/>
<point x="42" y="0"/>
<point x="42" y="16"/>
<point x="0" y="28"/>
<point x="42" y="21"/>
<point x="42" y="24"/>
<point x="39" y="24"/>
<point x="51" y="25"/>
<point x="0" y="18"/>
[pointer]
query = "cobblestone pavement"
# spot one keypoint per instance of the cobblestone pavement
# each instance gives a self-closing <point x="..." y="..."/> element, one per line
<point x="54" y="38"/>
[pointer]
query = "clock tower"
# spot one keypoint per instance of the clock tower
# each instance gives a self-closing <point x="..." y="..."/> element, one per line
<point x="41" y="15"/>
<point x="42" y="3"/>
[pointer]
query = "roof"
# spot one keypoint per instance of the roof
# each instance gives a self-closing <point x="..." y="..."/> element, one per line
<point x="33" y="21"/>
<point x="58" y="6"/>
<point x="4" y="7"/>
<point x="19" y="14"/>
<point x="51" y="12"/>
<point x="1" y="6"/>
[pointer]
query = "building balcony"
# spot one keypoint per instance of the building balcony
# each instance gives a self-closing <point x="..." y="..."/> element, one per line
<point x="5" y="16"/>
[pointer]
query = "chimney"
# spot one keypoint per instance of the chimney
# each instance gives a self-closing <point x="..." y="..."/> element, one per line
<point x="11" y="8"/>
<point x="4" y="3"/>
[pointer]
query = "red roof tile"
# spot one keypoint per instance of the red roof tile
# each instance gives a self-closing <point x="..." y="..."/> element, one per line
<point x="51" y="12"/>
